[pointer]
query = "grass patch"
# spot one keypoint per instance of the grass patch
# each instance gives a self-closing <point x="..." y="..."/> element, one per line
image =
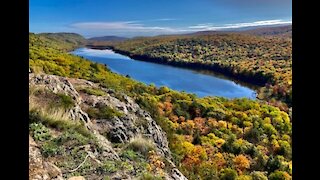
<point x="130" y="154"/>
<point x="57" y="117"/>
<point x="50" y="99"/>
<point x="68" y="152"/>
<point x="50" y="148"/>
<point x="141" y="145"/>
<point x="61" y="144"/>
<point x="103" y="112"/>
<point x="149" y="176"/>
<point x="110" y="167"/>
<point x="57" y="120"/>
<point x="66" y="101"/>
<point x="93" y="91"/>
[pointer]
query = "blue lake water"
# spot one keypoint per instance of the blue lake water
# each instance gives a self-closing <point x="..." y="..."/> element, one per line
<point x="181" y="79"/>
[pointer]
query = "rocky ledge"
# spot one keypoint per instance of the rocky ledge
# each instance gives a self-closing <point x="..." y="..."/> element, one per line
<point x="133" y="122"/>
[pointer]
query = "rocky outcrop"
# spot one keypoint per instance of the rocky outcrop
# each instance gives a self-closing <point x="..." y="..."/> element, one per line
<point x="177" y="175"/>
<point x="133" y="122"/>
<point x="38" y="168"/>
<point x="56" y="84"/>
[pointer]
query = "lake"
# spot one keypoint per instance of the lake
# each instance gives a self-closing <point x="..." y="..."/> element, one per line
<point x="181" y="79"/>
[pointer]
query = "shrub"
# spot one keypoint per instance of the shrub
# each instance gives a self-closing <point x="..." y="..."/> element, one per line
<point x="40" y="132"/>
<point x="103" y="112"/>
<point x="285" y="149"/>
<point x="244" y="177"/>
<point x="110" y="167"/>
<point x="127" y="166"/>
<point x="257" y="175"/>
<point x="149" y="176"/>
<point x="130" y="154"/>
<point x="228" y="174"/>
<point x="75" y="137"/>
<point x="93" y="91"/>
<point x="208" y="171"/>
<point x="50" y="148"/>
<point x="273" y="163"/>
<point x="279" y="175"/>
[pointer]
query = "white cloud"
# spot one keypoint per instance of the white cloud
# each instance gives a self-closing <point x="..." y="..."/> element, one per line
<point x="165" y="19"/>
<point x="137" y="27"/>
<point x="120" y="26"/>
<point x="209" y="26"/>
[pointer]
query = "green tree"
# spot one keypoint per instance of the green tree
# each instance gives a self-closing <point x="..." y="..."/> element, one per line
<point x="228" y="174"/>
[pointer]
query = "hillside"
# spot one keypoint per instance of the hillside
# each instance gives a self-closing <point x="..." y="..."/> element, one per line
<point x="102" y="42"/>
<point x="284" y="31"/>
<point x="68" y="41"/>
<point x="265" y="61"/>
<point x="77" y="126"/>
<point x="108" y="38"/>
<point x="57" y="41"/>
<point x="88" y="121"/>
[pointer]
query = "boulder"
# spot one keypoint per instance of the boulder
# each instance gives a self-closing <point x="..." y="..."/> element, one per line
<point x="77" y="178"/>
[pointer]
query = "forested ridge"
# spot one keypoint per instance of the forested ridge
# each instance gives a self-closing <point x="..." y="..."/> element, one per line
<point x="211" y="137"/>
<point x="261" y="60"/>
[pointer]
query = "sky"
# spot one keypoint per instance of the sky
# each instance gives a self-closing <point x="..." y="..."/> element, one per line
<point x="130" y="18"/>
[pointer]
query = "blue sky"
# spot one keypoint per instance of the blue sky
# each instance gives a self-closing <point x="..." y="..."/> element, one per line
<point x="153" y="17"/>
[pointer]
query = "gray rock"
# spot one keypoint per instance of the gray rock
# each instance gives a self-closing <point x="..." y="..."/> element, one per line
<point x="134" y="122"/>
<point x="37" y="171"/>
<point x="53" y="170"/>
<point x="177" y="175"/>
<point x="77" y="178"/>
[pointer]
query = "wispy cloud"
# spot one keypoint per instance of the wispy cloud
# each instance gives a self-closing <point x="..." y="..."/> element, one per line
<point x="165" y="19"/>
<point x="120" y="26"/>
<point x="138" y="27"/>
<point x="209" y="26"/>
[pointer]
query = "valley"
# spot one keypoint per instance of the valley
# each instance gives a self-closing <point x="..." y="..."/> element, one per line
<point x="86" y="120"/>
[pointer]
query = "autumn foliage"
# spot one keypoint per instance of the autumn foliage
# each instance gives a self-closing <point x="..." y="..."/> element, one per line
<point x="210" y="137"/>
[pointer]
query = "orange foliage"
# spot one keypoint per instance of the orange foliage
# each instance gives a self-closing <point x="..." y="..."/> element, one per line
<point x="188" y="126"/>
<point x="241" y="162"/>
<point x="182" y="119"/>
<point x="194" y="158"/>
<point x="219" y="160"/>
<point x="200" y="123"/>
<point x="212" y="122"/>
<point x="168" y="107"/>
<point x="173" y="118"/>
<point x="161" y="108"/>
<point x="156" y="165"/>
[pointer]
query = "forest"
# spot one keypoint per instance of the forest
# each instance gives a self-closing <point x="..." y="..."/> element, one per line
<point x="210" y="137"/>
<point x="262" y="60"/>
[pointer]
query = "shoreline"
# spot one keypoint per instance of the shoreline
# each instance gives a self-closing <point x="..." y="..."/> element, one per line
<point x="250" y="82"/>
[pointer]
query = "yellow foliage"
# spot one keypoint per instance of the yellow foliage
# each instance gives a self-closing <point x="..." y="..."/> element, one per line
<point x="267" y="120"/>
<point x="219" y="142"/>
<point x="187" y="147"/>
<point x="222" y="124"/>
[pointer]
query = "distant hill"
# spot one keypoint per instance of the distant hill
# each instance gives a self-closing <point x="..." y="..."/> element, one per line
<point x="285" y="31"/>
<point x="208" y="33"/>
<point x="73" y="38"/>
<point x="273" y="31"/>
<point x="108" y="38"/>
<point x="68" y="41"/>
